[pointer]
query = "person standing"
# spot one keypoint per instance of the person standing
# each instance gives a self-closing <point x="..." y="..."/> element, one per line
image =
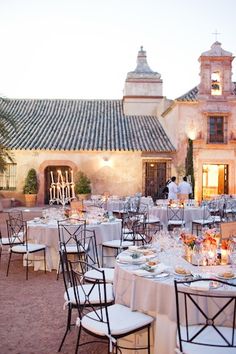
<point x="184" y="189"/>
<point x="173" y="189"/>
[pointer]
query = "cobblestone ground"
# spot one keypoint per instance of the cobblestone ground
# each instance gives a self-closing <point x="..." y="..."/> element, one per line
<point x="32" y="319"/>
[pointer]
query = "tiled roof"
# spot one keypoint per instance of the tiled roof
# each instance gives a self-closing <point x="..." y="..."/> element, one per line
<point x="192" y="95"/>
<point x="60" y="124"/>
<point x="189" y="96"/>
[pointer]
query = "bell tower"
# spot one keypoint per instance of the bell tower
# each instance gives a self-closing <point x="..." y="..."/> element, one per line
<point x="143" y="88"/>
<point x="216" y="73"/>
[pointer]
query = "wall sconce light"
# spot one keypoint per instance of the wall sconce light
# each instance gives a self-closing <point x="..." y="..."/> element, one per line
<point x="106" y="161"/>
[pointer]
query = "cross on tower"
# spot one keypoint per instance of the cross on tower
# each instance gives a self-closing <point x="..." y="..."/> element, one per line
<point x="216" y="34"/>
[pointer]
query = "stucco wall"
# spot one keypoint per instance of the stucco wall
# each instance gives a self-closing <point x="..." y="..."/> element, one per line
<point x="119" y="173"/>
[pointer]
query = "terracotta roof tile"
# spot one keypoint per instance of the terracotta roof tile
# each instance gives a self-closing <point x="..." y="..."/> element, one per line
<point x="82" y="125"/>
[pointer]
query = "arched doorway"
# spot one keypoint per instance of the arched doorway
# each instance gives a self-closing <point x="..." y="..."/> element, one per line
<point x="48" y="180"/>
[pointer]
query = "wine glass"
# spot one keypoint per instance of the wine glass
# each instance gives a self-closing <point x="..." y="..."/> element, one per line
<point x="198" y="254"/>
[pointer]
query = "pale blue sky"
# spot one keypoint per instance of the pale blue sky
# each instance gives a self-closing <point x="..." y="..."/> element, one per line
<point x="84" y="48"/>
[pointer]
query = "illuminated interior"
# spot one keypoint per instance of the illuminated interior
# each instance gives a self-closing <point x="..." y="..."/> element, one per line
<point x="216" y="88"/>
<point x="213" y="177"/>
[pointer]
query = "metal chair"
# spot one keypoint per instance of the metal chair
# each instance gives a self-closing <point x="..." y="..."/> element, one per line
<point x="206" y="319"/>
<point x="175" y="217"/>
<point x="207" y="220"/>
<point x="69" y="231"/>
<point x="18" y="241"/>
<point x="107" y="322"/>
<point x="69" y="295"/>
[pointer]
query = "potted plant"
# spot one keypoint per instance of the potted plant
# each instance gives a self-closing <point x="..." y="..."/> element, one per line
<point x="82" y="185"/>
<point x="30" y="189"/>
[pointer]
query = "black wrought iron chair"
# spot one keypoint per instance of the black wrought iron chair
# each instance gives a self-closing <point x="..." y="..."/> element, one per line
<point x="69" y="231"/>
<point x="206" y="319"/>
<point x="107" y="322"/>
<point x="18" y="241"/>
<point x="87" y="246"/>
<point x="90" y="289"/>
<point x="175" y="217"/>
<point x="207" y="220"/>
<point x="118" y="245"/>
<point x="230" y="209"/>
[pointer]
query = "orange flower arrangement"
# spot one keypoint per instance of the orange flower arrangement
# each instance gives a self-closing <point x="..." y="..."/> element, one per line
<point x="211" y="237"/>
<point x="225" y="244"/>
<point x="188" y="239"/>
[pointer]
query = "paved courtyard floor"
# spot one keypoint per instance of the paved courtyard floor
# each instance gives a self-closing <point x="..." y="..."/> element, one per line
<point x="32" y="319"/>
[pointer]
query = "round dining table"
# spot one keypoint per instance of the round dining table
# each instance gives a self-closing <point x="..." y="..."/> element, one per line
<point x="190" y="214"/>
<point x="46" y="232"/>
<point x="156" y="295"/>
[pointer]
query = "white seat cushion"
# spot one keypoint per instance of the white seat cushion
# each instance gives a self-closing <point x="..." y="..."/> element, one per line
<point x="72" y="248"/>
<point x="209" y="335"/>
<point x="203" y="221"/>
<point x="93" y="274"/>
<point x="14" y="239"/>
<point x="122" y="320"/>
<point x="176" y="222"/>
<point x="136" y="237"/>
<point x="151" y="220"/>
<point x="93" y="296"/>
<point x="116" y="244"/>
<point x="32" y="247"/>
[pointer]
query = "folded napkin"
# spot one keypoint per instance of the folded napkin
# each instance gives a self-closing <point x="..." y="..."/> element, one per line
<point x="160" y="268"/>
<point x="128" y="259"/>
<point x="200" y="285"/>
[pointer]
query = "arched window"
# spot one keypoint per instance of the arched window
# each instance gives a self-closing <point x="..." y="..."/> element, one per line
<point x="216" y="88"/>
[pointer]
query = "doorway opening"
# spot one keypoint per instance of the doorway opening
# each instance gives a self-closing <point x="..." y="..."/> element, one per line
<point x="48" y="180"/>
<point x="214" y="180"/>
<point x="156" y="174"/>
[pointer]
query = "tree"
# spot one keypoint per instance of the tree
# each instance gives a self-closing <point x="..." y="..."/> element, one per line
<point x="6" y="123"/>
<point x="189" y="163"/>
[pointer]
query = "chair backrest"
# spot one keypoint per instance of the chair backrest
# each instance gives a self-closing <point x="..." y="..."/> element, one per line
<point x="200" y="311"/>
<point x="87" y="246"/>
<point x="80" y="283"/>
<point x="175" y="213"/>
<point x="151" y="229"/>
<point x="17" y="232"/>
<point x="70" y="230"/>
<point x="15" y="214"/>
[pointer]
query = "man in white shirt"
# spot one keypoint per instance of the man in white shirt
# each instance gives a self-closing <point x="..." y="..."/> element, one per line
<point x="173" y="189"/>
<point x="184" y="189"/>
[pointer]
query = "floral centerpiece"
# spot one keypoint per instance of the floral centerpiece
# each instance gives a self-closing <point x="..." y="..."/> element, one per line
<point x="211" y="237"/>
<point x="189" y="240"/>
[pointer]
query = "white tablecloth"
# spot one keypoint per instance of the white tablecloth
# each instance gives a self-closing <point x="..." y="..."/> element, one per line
<point x="156" y="298"/>
<point x="48" y="235"/>
<point x="190" y="213"/>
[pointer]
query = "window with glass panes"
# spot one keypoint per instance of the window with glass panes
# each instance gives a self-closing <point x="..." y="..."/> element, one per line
<point x="216" y="129"/>
<point x="8" y="177"/>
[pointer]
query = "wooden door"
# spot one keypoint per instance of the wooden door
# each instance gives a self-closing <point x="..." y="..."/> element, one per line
<point x="155" y="178"/>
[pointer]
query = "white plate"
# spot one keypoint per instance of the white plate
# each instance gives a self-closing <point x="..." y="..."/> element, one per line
<point x="157" y="275"/>
<point x="225" y="278"/>
<point x="214" y="284"/>
<point x="183" y="275"/>
<point x="131" y="261"/>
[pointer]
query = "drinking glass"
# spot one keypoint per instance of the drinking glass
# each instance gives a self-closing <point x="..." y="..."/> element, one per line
<point x="198" y="254"/>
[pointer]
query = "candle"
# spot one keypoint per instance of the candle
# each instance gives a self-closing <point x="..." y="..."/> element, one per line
<point x="58" y="176"/>
<point x="61" y="177"/>
<point x="68" y="189"/>
<point x="50" y="190"/>
<point x="54" y="192"/>
<point x="72" y="181"/>
<point x="73" y="191"/>
<point x="224" y="256"/>
<point x="52" y="177"/>
<point x="67" y="177"/>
